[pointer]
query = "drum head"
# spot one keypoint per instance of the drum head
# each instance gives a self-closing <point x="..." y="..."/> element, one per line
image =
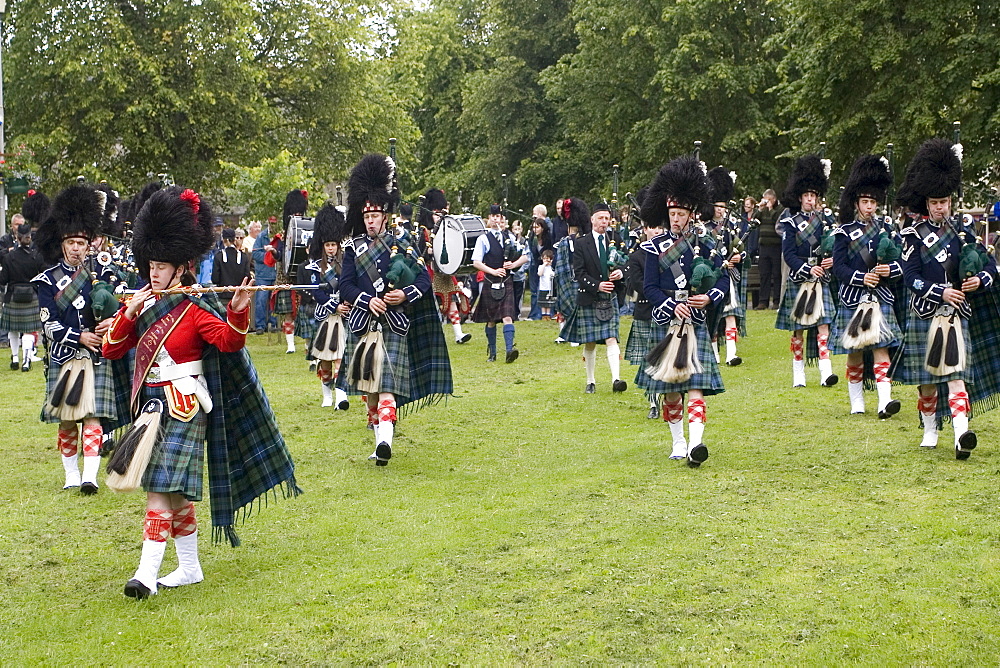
<point x="452" y="237"/>
<point x="300" y="231"/>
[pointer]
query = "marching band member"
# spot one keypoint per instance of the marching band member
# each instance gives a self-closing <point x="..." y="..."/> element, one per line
<point x="866" y="264"/>
<point x="599" y="281"/>
<point x="729" y="319"/>
<point x="324" y="269"/>
<point x="398" y="354"/>
<point x="641" y="338"/>
<point x="193" y="374"/>
<point x="20" y="301"/>
<point x="682" y="279"/>
<point x="453" y="302"/>
<point x="283" y="302"/>
<point x="497" y="256"/>
<point x="944" y="267"/>
<point x="575" y="216"/>
<point x="80" y="385"/>
<point x="808" y="303"/>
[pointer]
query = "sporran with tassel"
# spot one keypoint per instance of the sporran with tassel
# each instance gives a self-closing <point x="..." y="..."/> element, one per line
<point x="867" y="327"/>
<point x="808" y="306"/>
<point x="365" y="372"/>
<point x="330" y="339"/>
<point x="675" y="358"/>
<point x="945" y="343"/>
<point x="131" y="456"/>
<point x="73" y="397"/>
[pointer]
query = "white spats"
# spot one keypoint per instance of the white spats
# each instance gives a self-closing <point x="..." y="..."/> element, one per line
<point x="930" y="431"/>
<point x="696" y="432"/>
<point x="342" y="402"/>
<point x="826" y="375"/>
<point x="91" y="465"/>
<point x="730" y="352"/>
<point x="72" y="468"/>
<point x="149" y="567"/>
<point x="327" y="395"/>
<point x="290" y="341"/>
<point x="188" y="566"/>
<point x="856" y="393"/>
<point x="798" y="373"/>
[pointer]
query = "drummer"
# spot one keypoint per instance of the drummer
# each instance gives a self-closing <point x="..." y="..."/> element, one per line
<point x="454" y="304"/>
<point x="497" y="257"/>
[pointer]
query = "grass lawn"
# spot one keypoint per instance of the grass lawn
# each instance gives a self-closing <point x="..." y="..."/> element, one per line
<point x="527" y="522"/>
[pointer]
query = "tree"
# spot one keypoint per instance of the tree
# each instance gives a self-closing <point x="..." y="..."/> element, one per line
<point x="261" y="189"/>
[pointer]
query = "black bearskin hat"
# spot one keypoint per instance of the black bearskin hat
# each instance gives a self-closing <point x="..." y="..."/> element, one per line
<point x="576" y="214"/>
<point x="111" y="224"/>
<point x="76" y="212"/>
<point x="174" y="226"/>
<point x="722" y="185"/>
<point x="371" y="187"/>
<point x="935" y="171"/>
<point x="296" y="203"/>
<point x="329" y="226"/>
<point x="434" y="200"/>
<point x="35" y="208"/>
<point x="679" y="183"/>
<point x="811" y="174"/>
<point x="869" y="177"/>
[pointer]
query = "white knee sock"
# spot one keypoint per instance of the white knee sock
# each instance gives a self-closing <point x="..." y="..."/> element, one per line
<point x="614" y="362"/>
<point x="15" y="343"/>
<point x="590" y="361"/>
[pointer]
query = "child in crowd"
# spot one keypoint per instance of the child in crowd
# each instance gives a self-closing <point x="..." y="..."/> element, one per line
<point x="545" y="273"/>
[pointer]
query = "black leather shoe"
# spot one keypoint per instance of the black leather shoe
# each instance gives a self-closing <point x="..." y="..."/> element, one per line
<point x="966" y="444"/>
<point x="830" y="380"/>
<point x="512" y="355"/>
<point x="88" y="488"/>
<point x="697" y="455"/>
<point x="137" y="590"/>
<point x="654" y="413"/>
<point x="736" y="361"/>
<point x="619" y="386"/>
<point x="383" y="453"/>
<point x="590" y="389"/>
<point x="465" y="338"/>
<point x="890" y="409"/>
<point x="492" y="357"/>
<point x="343" y="405"/>
<point x="26" y="366"/>
<point x="13" y="365"/>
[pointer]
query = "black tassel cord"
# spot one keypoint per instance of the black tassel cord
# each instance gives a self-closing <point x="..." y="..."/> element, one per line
<point x="60" y="389"/>
<point x="653" y="356"/>
<point x="76" y="392"/>
<point x="126" y="449"/>
<point x="951" y="356"/>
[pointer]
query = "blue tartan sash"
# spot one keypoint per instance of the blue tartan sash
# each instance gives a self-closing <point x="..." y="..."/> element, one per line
<point x="859" y="246"/>
<point x="810" y="233"/>
<point x="65" y="297"/>
<point x="674" y="253"/>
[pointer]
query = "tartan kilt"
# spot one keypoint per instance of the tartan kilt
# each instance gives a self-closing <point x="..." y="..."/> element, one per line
<point x="178" y="459"/>
<point x="784" y="320"/>
<point x="908" y="364"/>
<point x="740" y="310"/>
<point x="283" y="302"/>
<point x="305" y="324"/>
<point x="584" y="327"/>
<point x="641" y="338"/>
<point x="709" y="381"/>
<point x="491" y="310"/>
<point x="396" y="367"/>
<point x="20" y="318"/>
<point x="104" y="393"/>
<point x="843" y="319"/>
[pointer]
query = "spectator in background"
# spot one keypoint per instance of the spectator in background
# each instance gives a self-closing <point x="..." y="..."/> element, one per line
<point x="241" y="234"/>
<point x="252" y="233"/>
<point x="264" y="274"/>
<point x="539" y="240"/>
<point x="769" y="246"/>
<point x="207" y="262"/>
<point x="517" y="235"/>
<point x="231" y="265"/>
<point x="545" y="272"/>
<point x="558" y="229"/>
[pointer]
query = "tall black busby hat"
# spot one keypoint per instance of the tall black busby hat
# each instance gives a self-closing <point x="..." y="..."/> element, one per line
<point x="111" y="224"/>
<point x="174" y="226"/>
<point x="296" y="203"/>
<point x="869" y="177"/>
<point x="811" y="174"/>
<point x="434" y="200"/>
<point x="35" y="208"/>
<point x="76" y="212"/>
<point x="721" y="185"/>
<point x="576" y="214"/>
<point x="935" y="171"/>
<point x="681" y="183"/>
<point x="371" y="187"/>
<point x="329" y="226"/>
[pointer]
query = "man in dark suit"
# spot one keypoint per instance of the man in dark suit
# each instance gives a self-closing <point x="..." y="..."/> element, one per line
<point x="231" y="265"/>
<point x="601" y="282"/>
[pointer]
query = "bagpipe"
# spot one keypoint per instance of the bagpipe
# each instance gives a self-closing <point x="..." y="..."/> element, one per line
<point x="867" y="326"/>
<point x="675" y="358"/>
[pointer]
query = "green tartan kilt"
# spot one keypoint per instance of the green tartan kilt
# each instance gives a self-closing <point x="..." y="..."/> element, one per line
<point x="584" y="327"/>
<point x="494" y="310"/>
<point x="396" y="368"/>
<point x="178" y="458"/>
<point x="20" y="318"/>
<point x="709" y="381"/>
<point x="785" y="321"/>
<point x="908" y="365"/>
<point x="283" y="302"/>
<point x="104" y="393"/>
<point x="641" y="339"/>
<point x="305" y="323"/>
<point x="740" y="310"/>
<point x="844" y="315"/>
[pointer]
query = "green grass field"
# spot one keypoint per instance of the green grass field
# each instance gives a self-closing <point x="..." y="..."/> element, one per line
<point x="527" y="522"/>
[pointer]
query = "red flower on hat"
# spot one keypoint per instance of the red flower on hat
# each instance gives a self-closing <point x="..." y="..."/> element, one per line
<point x="193" y="199"/>
<point x="566" y="205"/>
<point x="305" y="193"/>
<point x="31" y="193"/>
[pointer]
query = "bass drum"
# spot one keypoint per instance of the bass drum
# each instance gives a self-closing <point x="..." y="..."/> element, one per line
<point x="297" y="240"/>
<point x="454" y="241"/>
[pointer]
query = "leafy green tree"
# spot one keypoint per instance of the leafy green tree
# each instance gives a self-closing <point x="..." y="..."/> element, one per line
<point x="260" y="190"/>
